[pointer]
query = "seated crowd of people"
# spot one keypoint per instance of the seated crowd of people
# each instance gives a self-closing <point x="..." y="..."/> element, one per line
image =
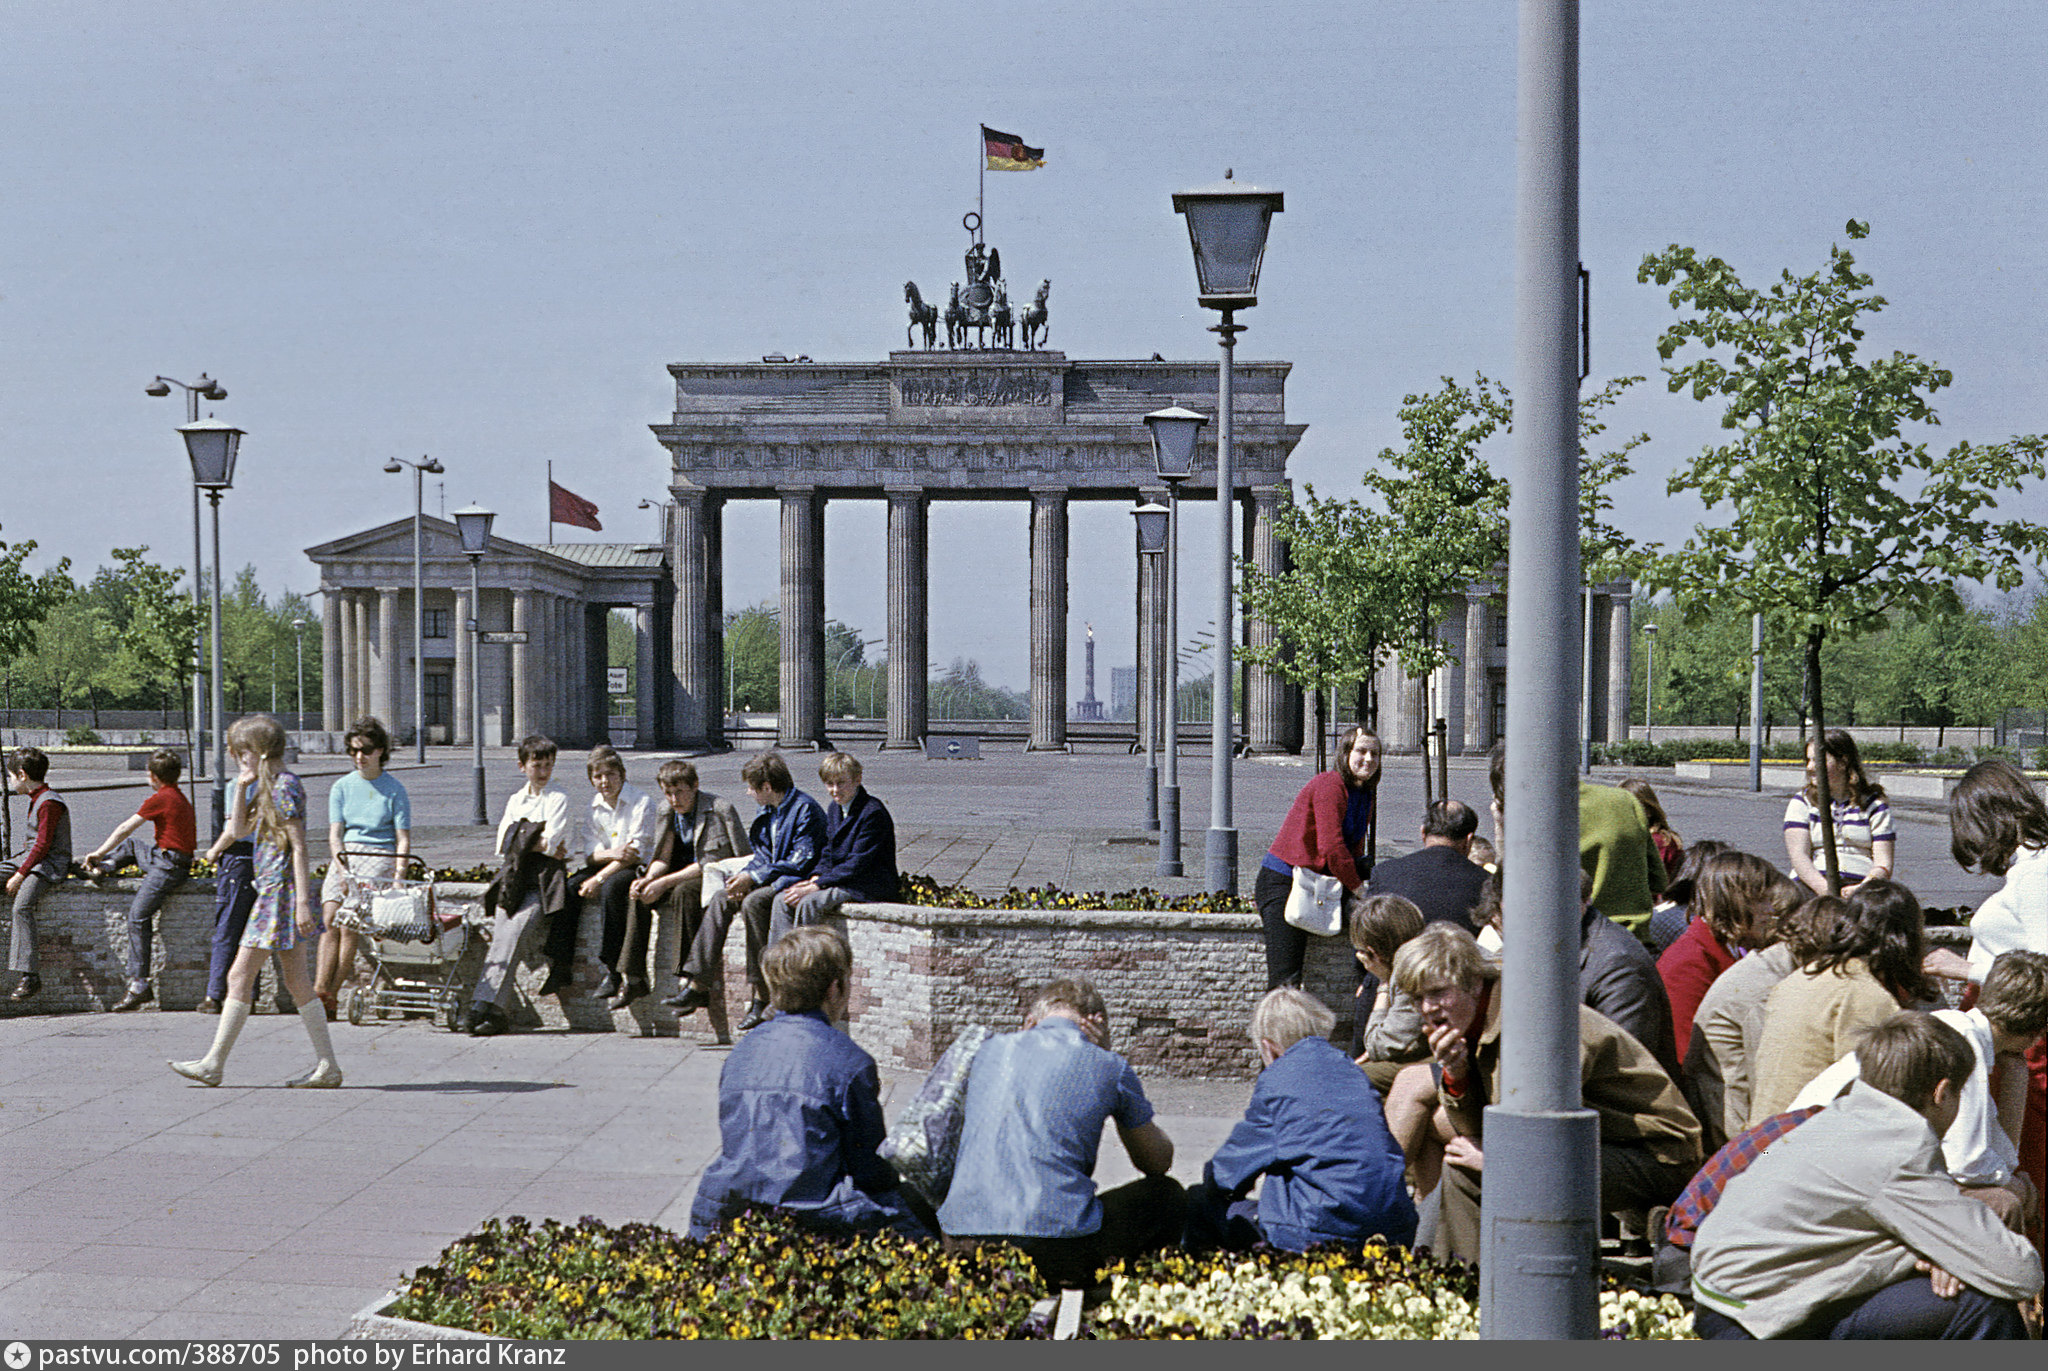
<point x="1813" y="1146"/>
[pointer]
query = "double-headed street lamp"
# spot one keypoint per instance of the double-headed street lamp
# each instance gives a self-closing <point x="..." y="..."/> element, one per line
<point x="474" y="526"/>
<point x="212" y="445"/>
<point x="420" y="469"/>
<point x="1227" y="225"/>
<point x="1152" y="518"/>
<point x="1174" y="432"/>
<point x="208" y="389"/>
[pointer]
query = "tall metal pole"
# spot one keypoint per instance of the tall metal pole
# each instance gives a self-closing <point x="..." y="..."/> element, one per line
<point x="1169" y="793"/>
<point x="299" y="698"/>
<point x="220" y="736"/>
<point x="419" y="623"/>
<point x="1756" y="703"/>
<point x="1221" y="850"/>
<point x="1540" y="1218"/>
<point x="478" y="813"/>
<point x="1649" y="679"/>
<point x="1150" y="687"/>
<point x="198" y="603"/>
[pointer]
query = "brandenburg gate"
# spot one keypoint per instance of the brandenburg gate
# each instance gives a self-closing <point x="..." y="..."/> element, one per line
<point x="925" y="426"/>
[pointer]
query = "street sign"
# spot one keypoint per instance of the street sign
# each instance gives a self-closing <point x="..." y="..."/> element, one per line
<point x="615" y="680"/>
<point x="517" y="635"/>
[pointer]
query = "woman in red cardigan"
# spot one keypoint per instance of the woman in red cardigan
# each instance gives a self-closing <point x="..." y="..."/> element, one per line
<point x="1325" y="832"/>
<point x="1737" y="899"/>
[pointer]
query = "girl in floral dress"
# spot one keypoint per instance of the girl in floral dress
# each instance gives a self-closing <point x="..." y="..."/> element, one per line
<point x="271" y="806"/>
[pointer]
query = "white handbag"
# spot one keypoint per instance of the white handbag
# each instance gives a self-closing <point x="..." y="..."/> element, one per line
<point x="1315" y="904"/>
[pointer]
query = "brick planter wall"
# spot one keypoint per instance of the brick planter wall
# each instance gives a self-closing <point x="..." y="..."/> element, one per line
<point x="1180" y="987"/>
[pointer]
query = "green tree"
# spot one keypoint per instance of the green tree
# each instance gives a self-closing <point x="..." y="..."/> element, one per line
<point x="753" y="659"/>
<point x="1605" y="552"/>
<point x="960" y="692"/>
<point x="157" y="625"/>
<point x="26" y="600"/>
<point x="75" y="639"/>
<point x="1833" y="518"/>
<point x="1333" y="605"/>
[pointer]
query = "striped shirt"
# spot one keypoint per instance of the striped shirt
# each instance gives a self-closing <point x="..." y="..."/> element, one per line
<point x="1858" y="829"/>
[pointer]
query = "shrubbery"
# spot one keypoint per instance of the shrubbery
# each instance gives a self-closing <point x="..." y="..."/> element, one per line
<point x="765" y="1278"/>
<point x="923" y="890"/>
<point x="1637" y="752"/>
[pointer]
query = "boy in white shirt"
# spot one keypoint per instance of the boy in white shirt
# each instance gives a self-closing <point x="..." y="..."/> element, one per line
<point x="618" y="839"/>
<point x="530" y="887"/>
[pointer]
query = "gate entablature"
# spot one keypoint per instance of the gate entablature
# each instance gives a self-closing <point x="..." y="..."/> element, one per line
<point x="959" y="424"/>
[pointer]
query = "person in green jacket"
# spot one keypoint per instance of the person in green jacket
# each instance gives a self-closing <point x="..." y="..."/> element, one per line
<point x="1615" y="848"/>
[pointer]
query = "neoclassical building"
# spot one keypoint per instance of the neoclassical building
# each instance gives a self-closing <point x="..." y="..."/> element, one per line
<point x="557" y="597"/>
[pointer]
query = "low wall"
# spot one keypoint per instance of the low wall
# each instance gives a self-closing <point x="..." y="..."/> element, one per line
<point x="1864" y="734"/>
<point x="1180" y="987"/>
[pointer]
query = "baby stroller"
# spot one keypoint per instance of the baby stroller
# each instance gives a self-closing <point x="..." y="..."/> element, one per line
<point x="414" y="955"/>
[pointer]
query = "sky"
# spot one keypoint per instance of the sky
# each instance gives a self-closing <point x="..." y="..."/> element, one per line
<point x="481" y="232"/>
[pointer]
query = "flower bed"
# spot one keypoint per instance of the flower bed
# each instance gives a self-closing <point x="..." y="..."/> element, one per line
<point x="763" y="1278"/>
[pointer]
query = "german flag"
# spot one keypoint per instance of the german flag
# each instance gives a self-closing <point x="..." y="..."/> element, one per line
<point x="1006" y="152"/>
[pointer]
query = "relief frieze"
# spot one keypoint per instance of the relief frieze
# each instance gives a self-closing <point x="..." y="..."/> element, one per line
<point x="976" y="390"/>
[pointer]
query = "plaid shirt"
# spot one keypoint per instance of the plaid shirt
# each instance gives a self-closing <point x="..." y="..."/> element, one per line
<point x="1734" y="1158"/>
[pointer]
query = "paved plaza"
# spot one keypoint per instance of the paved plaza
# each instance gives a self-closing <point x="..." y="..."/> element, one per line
<point x="140" y="1205"/>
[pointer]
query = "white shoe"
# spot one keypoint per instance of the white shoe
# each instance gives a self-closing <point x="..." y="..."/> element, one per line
<point x="197" y="1071"/>
<point x="323" y="1076"/>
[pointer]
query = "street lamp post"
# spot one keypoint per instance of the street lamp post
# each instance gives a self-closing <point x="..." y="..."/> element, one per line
<point x="474" y="526"/>
<point x="1227" y="226"/>
<point x="1174" y="434"/>
<point x="419" y="600"/>
<point x="204" y="388"/>
<point x="1649" y="678"/>
<point x="1152" y="519"/>
<point x="299" y="698"/>
<point x="212" y="445"/>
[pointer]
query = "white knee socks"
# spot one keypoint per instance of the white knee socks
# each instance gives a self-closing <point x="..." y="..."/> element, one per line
<point x="233" y="1014"/>
<point x="314" y="1016"/>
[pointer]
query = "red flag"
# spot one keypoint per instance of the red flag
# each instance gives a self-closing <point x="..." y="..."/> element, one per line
<point x="567" y="507"/>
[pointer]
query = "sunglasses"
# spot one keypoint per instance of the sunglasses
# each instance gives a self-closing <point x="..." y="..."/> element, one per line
<point x="355" y="751"/>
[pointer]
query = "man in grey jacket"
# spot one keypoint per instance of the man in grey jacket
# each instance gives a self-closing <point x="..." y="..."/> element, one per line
<point x="1848" y="1227"/>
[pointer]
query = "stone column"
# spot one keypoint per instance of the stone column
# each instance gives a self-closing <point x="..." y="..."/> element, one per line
<point x="463" y="735"/>
<point x="1048" y="620"/>
<point x="359" y="697"/>
<point x="696" y="692"/>
<point x="643" y="677"/>
<point x="1619" y="644"/>
<point x="802" y="719"/>
<point x="714" y="610"/>
<point x="332" y="660"/>
<point x="388" y="659"/>
<point x="1478" y="652"/>
<point x="1266" y="692"/>
<point x="1453" y="680"/>
<point x="909" y="618"/>
<point x="523" y="620"/>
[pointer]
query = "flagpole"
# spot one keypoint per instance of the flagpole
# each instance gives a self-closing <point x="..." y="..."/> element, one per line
<point x="981" y="183"/>
<point x="551" y="504"/>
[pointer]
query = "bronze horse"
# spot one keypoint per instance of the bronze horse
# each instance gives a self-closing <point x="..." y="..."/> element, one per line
<point x="1035" y="315"/>
<point x="922" y="316"/>
<point x="1001" y="321"/>
<point x="956" y="320"/>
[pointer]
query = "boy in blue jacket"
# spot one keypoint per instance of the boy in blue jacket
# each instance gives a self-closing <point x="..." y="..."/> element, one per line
<point x="1315" y="1130"/>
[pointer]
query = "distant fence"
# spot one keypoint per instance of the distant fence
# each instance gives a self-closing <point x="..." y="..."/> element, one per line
<point x="1862" y="733"/>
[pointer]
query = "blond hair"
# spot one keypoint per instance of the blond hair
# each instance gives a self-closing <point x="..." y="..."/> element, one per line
<point x="1287" y="1015"/>
<point x="837" y="768"/>
<point x="264" y="738"/>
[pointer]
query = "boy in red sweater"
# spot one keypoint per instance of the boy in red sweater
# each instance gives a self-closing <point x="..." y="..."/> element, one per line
<point x="166" y="860"/>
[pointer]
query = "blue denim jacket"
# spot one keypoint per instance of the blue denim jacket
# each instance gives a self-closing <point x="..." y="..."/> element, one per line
<point x="787" y="841"/>
<point x="799" y="1119"/>
<point x="1315" y="1130"/>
